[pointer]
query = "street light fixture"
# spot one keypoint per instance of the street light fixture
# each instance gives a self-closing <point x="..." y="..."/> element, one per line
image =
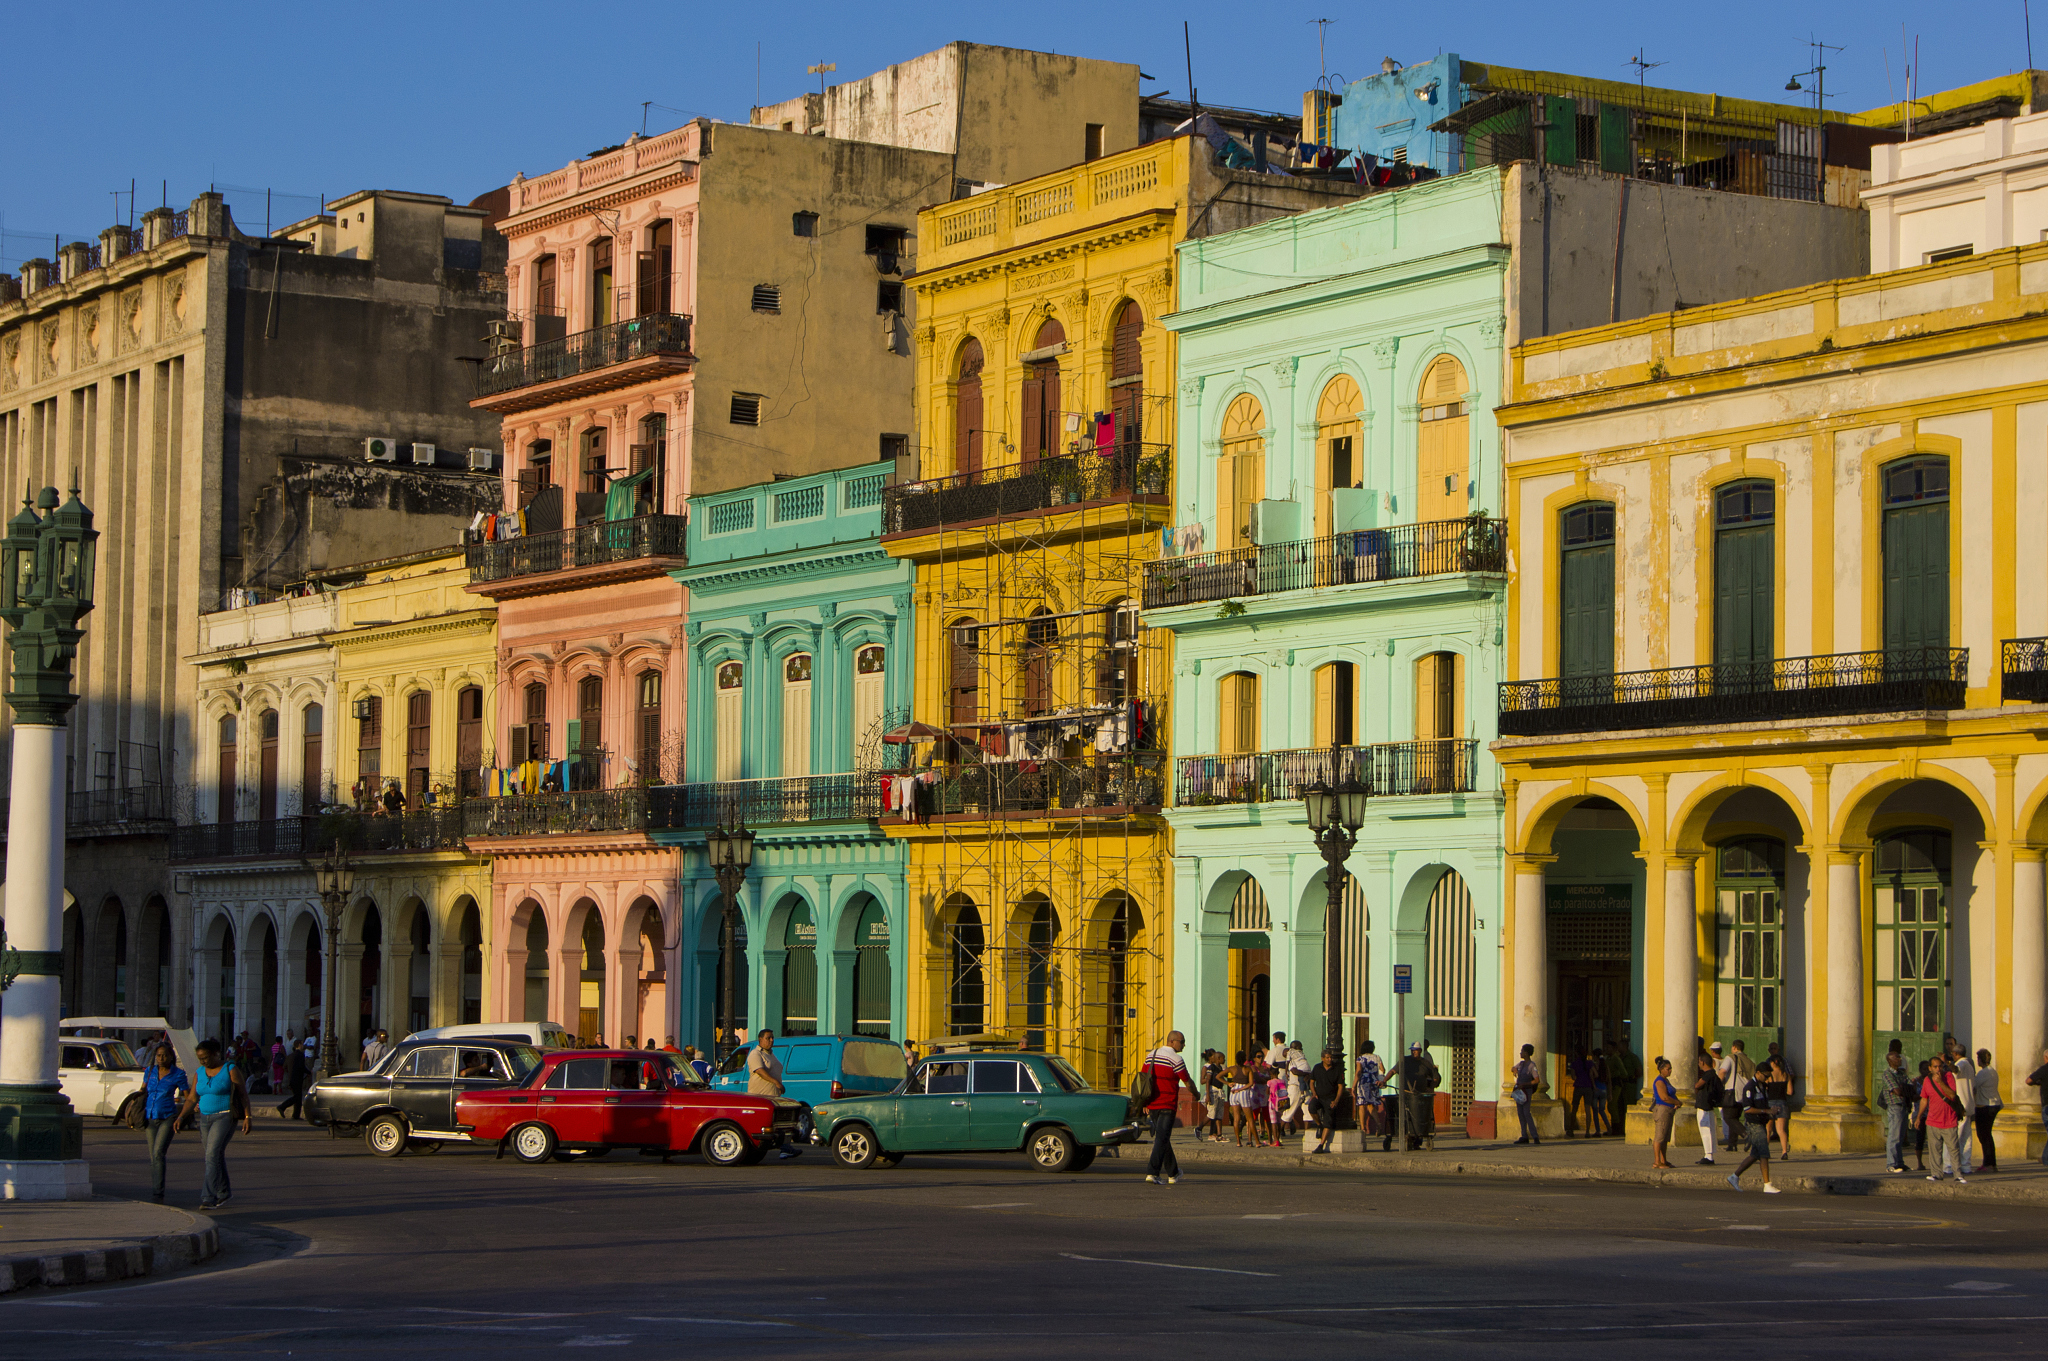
<point x="1334" y="816"/>
<point x="731" y="850"/>
<point x="337" y="882"/>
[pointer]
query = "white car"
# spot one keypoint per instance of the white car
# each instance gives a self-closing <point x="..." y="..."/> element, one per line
<point x="101" y="1075"/>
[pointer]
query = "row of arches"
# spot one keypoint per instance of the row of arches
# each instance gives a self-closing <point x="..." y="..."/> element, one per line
<point x="120" y="959"/>
<point x="1045" y="431"/>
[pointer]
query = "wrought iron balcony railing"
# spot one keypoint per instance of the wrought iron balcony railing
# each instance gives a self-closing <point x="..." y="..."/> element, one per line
<point x="1738" y="692"/>
<point x="585" y="352"/>
<point x="1068" y="480"/>
<point x="1432" y="548"/>
<point x="2023" y="670"/>
<point x="434" y="829"/>
<point x="1428" y="766"/>
<point x="587" y="545"/>
<point x="587" y="810"/>
<point x="1048" y="787"/>
<point x="760" y="803"/>
<point x="108" y="812"/>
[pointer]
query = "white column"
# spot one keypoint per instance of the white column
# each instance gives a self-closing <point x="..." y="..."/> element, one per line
<point x="1530" y="1022"/>
<point x="2029" y="975"/>
<point x="1844" y="1025"/>
<point x="1681" y="964"/>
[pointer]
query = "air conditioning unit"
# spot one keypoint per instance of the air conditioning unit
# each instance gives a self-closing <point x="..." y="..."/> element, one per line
<point x="423" y="454"/>
<point x="503" y="331"/>
<point x="380" y="449"/>
<point x="1275" y="522"/>
<point x="482" y="460"/>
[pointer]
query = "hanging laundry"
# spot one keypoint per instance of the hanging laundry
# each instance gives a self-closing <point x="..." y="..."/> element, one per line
<point x="1105" y="430"/>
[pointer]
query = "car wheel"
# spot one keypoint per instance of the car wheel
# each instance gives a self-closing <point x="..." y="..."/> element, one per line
<point x="385" y="1136"/>
<point x="1083" y="1156"/>
<point x="533" y="1143"/>
<point x="853" y="1146"/>
<point x="725" y="1145"/>
<point x="1052" y="1150"/>
<point x="130" y="1113"/>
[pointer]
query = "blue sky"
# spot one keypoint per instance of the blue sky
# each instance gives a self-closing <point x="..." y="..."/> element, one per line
<point x="456" y="99"/>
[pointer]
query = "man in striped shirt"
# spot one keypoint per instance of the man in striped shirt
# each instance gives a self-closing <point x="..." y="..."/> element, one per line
<point x="1168" y="1073"/>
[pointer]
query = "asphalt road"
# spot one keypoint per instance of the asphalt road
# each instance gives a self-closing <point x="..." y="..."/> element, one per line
<point x="335" y="1253"/>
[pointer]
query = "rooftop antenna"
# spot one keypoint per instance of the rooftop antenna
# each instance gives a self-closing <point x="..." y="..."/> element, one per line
<point x="1187" y="47"/>
<point x="1643" y="68"/>
<point x="2027" y="16"/>
<point x="819" y="71"/>
<point x="647" y="104"/>
<point x="1322" y="55"/>
<point x="1819" y="72"/>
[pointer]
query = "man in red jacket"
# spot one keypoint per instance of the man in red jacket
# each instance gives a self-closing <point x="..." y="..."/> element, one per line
<point x="1168" y="1072"/>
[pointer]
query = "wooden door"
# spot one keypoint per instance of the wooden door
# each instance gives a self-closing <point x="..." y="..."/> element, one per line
<point x="312" y="720"/>
<point x="967" y="411"/>
<point x="419" y="741"/>
<point x="1916" y="555"/>
<point x="266" y="788"/>
<point x="1443" y="455"/>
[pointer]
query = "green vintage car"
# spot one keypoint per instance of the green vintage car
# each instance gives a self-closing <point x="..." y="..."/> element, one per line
<point x="977" y="1103"/>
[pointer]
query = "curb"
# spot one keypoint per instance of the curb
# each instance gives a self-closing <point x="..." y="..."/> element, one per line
<point x="1389" y="1164"/>
<point x="116" y="1261"/>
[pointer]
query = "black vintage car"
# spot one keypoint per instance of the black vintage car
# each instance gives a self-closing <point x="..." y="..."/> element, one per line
<point x="408" y="1099"/>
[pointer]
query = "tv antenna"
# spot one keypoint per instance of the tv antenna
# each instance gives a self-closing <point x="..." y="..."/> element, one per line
<point x="1322" y="53"/>
<point x="819" y="71"/>
<point x="1643" y="68"/>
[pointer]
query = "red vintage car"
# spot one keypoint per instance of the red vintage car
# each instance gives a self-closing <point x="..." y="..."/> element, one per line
<point x="591" y="1101"/>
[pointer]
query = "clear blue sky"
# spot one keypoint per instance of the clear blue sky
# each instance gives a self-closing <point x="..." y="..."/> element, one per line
<point x="456" y="99"/>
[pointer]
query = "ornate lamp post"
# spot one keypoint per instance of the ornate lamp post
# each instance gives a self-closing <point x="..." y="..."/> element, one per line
<point x="337" y="881"/>
<point x="46" y="582"/>
<point x="732" y="851"/>
<point x="1334" y="816"/>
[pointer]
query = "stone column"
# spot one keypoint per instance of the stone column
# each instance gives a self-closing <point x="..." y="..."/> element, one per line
<point x="2029" y="997"/>
<point x="444" y="983"/>
<point x="347" y="1005"/>
<point x="1529" y="1023"/>
<point x="1681" y="965"/>
<point x="1837" y="1115"/>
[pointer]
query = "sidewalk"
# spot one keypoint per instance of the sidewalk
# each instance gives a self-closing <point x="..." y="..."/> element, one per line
<point x="72" y="1242"/>
<point x="1611" y="1160"/>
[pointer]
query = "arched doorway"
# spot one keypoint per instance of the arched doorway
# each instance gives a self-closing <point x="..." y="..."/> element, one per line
<point x="650" y="1016"/>
<point x="590" y="997"/>
<point x="222" y="961"/>
<point x="419" y="970"/>
<point x="262" y="1025"/>
<point x="966" y="977"/>
<point x="369" y="999"/>
<point x="469" y="930"/>
<point x="1250" y="968"/>
<point x="800" y="971"/>
<point x="873" y="988"/>
<point x="534" y="1004"/>
<point x="1450" y="1006"/>
<point x="1126" y="926"/>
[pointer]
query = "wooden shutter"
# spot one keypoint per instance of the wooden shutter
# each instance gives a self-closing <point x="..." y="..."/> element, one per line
<point x="1326" y="705"/>
<point x="312" y="721"/>
<point x="796" y="722"/>
<point x="964" y="673"/>
<point x="229" y="772"/>
<point x="1916" y="576"/>
<point x="1745" y="594"/>
<point x="730" y="718"/>
<point x="1034" y="415"/>
<point x="266" y="786"/>
<point x="1443" y="444"/>
<point x="1585" y="612"/>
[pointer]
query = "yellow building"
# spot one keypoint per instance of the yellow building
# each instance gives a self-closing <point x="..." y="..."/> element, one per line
<point x="1046" y="402"/>
<point x="1772" y="763"/>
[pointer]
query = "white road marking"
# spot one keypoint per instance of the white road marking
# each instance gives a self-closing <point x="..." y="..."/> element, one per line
<point x="734" y="1322"/>
<point x="1752" y="1228"/>
<point x="1170" y="1266"/>
<point x="998" y="1205"/>
<point x="1980" y="1285"/>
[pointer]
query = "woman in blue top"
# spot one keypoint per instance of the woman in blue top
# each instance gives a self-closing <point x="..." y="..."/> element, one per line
<point x="1663" y="1105"/>
<point x="162" y="1086"/>
<point x="220" y="1099"/>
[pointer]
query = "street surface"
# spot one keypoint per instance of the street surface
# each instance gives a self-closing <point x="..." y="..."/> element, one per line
<point x="329" y="1252"/>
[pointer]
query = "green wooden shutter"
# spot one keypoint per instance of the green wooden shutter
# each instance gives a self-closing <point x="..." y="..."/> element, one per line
<point x="1561" y="142"/>
<point x="1586" y="612"/>
<point x="871" y="991"/>
<point x="1745" y="594"/>
<point x="1916" y="577"/>
<point x="1614" y="149"/>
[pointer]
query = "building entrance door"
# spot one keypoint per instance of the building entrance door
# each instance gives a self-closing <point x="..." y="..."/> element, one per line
<point x="1592" y="1009"/>
<point x="1591" y="929"/>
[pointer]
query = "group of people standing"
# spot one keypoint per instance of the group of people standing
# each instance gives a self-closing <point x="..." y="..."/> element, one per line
<point x="1267" y="1094"/>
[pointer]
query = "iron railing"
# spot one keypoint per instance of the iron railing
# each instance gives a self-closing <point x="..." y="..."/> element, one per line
<point x="585" y="810"/>
<point x="435" y="829"/>
<point x="1067" y="480"/>
<point x="1892" y="681"/>
<point x="585" y="545"/>
<point x="98" y="812"/>
<point x="1067" y="785"/>
<point x="757" y="803"/>
<point x="584" y="352"/>
<point x="1388" y="769"/>
<point x="2023" y="670"/>
<point x="1432" y="548"/>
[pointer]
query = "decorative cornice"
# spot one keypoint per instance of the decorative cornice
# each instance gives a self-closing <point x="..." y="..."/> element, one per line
<point x="773" y="571"/>
<point x="577" y="209"/>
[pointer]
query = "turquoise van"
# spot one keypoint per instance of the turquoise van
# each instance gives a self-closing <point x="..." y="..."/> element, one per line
<point x="819" y="1068"/>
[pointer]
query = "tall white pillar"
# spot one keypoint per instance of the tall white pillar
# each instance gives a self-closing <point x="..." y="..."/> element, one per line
<point x="1844" y="1073"/>
<point x="2029" y="978"/>
<point x="42" y="1146"/>
<point x="1681" y="966"/>
<point x="1531" y="1020"/>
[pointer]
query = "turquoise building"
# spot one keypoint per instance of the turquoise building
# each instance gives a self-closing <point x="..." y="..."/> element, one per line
<point x="798" y="640"/>
<point x="1334" y="588"/>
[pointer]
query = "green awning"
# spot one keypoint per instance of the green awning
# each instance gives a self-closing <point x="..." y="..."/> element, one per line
<point x="619" y="498"/>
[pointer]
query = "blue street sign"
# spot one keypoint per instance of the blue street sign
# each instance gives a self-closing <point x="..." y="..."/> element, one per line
<point x="1404" y="978"/>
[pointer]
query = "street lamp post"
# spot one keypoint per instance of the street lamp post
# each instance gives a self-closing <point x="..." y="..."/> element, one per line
<point x="732" y="851"/>
<point x="46" y="582"/>
<point x="337" y="881"/>
<point x="1334" y="816"/>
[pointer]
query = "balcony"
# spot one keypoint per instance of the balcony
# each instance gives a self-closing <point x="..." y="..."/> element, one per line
<point x="574" y="813"/>
<point x="1432" y="548"/>
<point x="1388" y="769"/>
<point x="142" y="810"/>
<point x="761" y="803"/>
<point x="2023" y="670"/>
<point x="1903" y="680"/>
<point x="1087" y="786"/>
<point x="587" y="549"/>
<point x="599" y="360"/>
<point x="1070" y="480"/>
<point x="437" y="829"/>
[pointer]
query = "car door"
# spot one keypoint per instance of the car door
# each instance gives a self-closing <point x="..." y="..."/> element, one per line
<point x="806" y="1070"/>
<point x="937" y="1118"/>
<point x="423" y="1087"/>
<point x="1005" y="1099"/>
<point x="78" y="1077"/>
<point x="635" y="1112"/>
<point x="477" y="1070"/>
<point x="572" y="1102"/>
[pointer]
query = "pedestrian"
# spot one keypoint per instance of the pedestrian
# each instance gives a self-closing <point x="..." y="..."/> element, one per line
<point x="698" y="1064"/>
<point x="668" y="1045"/>
<point x="1603" y="1091"/>
<point x="764" y="1077"/>
<point x="1261" y="1102"/>
<point x="1984" y="1109"/>
<point x="1278" y="1049"/>
<point x="597" y="1040"/>
<point x="1238" y="1079"/>
<point x="297" y="1077"/>
<point x="1297" y="1066"/>
<point x="1706" y="1103"/>
<point x="1919" y="1125"/>
<point x="1420" y="1078"/>
<point x="1964" y="1074"/>
<point x="1165" y="1073"/>
<point x="219" y="1099"/>
<point x="1897" y="1093"/>
<point x="1740" y="1070"/>
<point x="1582" y="1096"/>
<point x="1663" y="1106"/>
<point x="1756" y="1120"/>
<point x="277" y="1064"/>
<point x="1778" y="1087"/>
<point x="164" y="1086"/>
<point x="1215" y="1092"/>
<point x="632" y="1042"/>
<point x="2038" y="1080"/>
<point x="1371" y="1076"/>
<point x="393" y="800"/>
<point x="1276" y="1098"/>
<point x="1943" y="1115"/>
<point x="1325" y="1080"/>
<point x="1526" y="1083"/>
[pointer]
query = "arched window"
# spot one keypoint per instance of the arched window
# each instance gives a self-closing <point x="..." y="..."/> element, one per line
<point x="469" y="741"/>
<point x="1127" y="374"/>
<point x="796" y="715"/>
<point x="312" y="719"/>
<point x="1240" y="471"/>
<point x="1585" y="607"/>
<point x="1041" y="636"/>
<point x="229" y="773"/>
<point x="1336" y="697"/>
<point x="1041" y="931"/>
<point x="1043" y="423"/>
<point x="963" y="673"/>
<point x="966" y="990"/>
<point x="266" y="770"/>
<point x="1443" y="449"/>
<point x="549" y="322"/>
<point x="1749" y="984"/>
<point x="647" y="729"/>
<point x="1340" y="449"/>
<point x="648" y="461"/>
<point x="1238" y="713"/>
<point x="873" y="997"/>
<point x="1916" y="523"/>
<point x="1745" y="572"/>
<point x="1910" y="950"/>
<point x="656" y="266"/>
<point x="870" y="694"/>
<point x="729" y="713"/>
<point x="967" y="409"/>
<point x="539" y="469"/>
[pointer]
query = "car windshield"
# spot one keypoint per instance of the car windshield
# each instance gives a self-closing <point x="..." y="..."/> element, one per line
<point x="523" y="1058"/>
<point x="735" y="1060"/>
<point x="863" y="1059"/>
<point x="1064" y="1074"/>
